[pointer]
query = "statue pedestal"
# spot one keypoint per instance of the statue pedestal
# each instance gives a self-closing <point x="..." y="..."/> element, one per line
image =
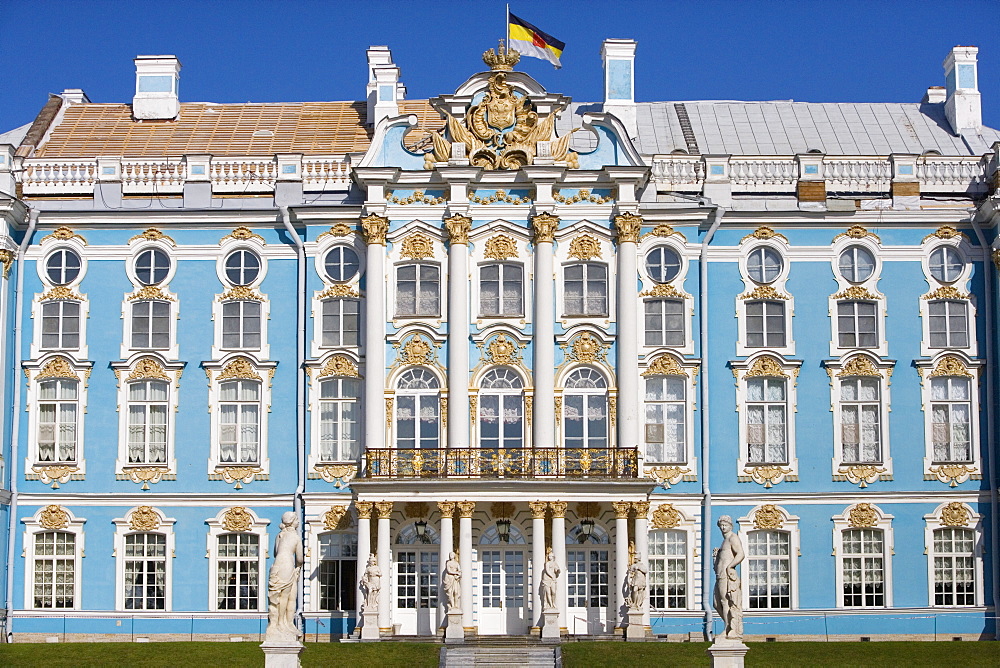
<point x="635" y="630"/>
<point x="282" y="653"/>
<point x="550" y="626"/>
<point x="727" y="653"/>
<point x="454" y="632"/>
<point x="369" y="629"/>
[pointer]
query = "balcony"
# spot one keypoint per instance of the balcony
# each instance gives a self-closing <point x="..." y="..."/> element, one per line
<point x="496" y="464"/>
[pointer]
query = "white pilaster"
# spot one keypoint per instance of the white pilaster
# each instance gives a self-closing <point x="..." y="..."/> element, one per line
<point x="544" y="420"/>
<point x="447" y="509"/>
<point x="458" y="331"/>
<point x="384" y="510"/>
<point x="364" y="511"/>
<point x="641" y="509"/>
<point x="629" y="382"/>
<point x="538" y="509"/>
<point x="465" y="509"/>
<point x="375" y="228"/>
<point x="621" y="558"/>
<point x="559" y="552"/>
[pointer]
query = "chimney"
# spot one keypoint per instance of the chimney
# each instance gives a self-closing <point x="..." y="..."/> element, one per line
<point x="935" y="95"/>
<point x="156" y="80"/>
<point x="618" y="56"/>
<point x="384" y="87"/>
<point x="74" y="96"/>
<point x="963" y="106"/>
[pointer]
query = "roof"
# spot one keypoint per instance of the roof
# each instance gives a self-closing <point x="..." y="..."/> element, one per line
<point x="88" y="130"/>
<point x="14" y="136"/>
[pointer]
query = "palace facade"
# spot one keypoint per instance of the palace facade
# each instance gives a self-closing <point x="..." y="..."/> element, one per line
<point x="500" y="322"/>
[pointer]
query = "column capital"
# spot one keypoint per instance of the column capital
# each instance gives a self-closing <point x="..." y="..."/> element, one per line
<point x="383" y="509"/>
<point x="558" y="508"/>
<point x="375" y="228"/>
<point x="538" y="509"/>
<point x="545" y="225"/>
<point x="458" y="227"/>
<point x="621" y="509"/>
<point x="364" y="510"/>
<point x="466" y="508"/>
<point x="628" y="226"/>
<point x="447" y="508"/>
<point x="641" y="509"/>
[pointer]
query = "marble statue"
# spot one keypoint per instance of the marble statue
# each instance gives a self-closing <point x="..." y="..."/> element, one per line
<point x="371" y="581"/>
<point x="637" y="583"/>
<point x="550" y="576"/>
<point x="283" y="580"/>
<point x="728" y="590"/>
<point x="452" y="582"/>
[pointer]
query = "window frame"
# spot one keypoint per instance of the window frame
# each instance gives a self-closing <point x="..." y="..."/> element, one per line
<point x="124" y="527"/>
<point x="341" y="319"/>
<point x="881" y="521"/>
<point x="689" y="564"/>
<point x="520" y="393"/>
<point x="241" y="368"/>
<point x="55" y="367"/>
<point x="439" y="392"/>
<point x="771" y="291"/>
<point x="220" y="525"/>
<point x="931" y="317"/>
<point x="856" y="319"/>
<point x="861" y="365"/>
<point x="935" y="521"/>
<point x="340" y="401"/>
<point x="667" y="366"/>
<point x="951" y="365"/>
<point x="608" y="394"/>
<point x="131" y="327"/>
<point x="769" y="367"/>
<point x="771" y="517"/>
<point x="586" y="282"/>
<point x="33" y="529"/>
<point x="502" y="265"/>
<point x="663" y="331"/>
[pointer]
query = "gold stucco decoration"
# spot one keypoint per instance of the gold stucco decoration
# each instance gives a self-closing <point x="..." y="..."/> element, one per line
<point x="946" y="292"/>
<point x="152" y="234"/>
<point x="588" y="509"/>
<point x="237" y="475"/>
<point x="418" y="197"/>
<point x="996" y="258"/>
<point x="241" y="368"/>
<point x="416" y="351"/>
<point x="7" y="258"/>
<point x="768" y="475"/>
<point x="338" y="230"/>
<point x="339" y="365"/>
<point x="622" y="509"/>
<point x="764" y="292"/>
<point x="498" y="197"/>
<point x="859" y="365"/>
<point x="364" y="510"/>
<point x="338" y="291"/>
<point x="340" y="475"/>
<point x="465" y="508"/>
<point x="768" y="517"/>
<point x="944" y="232"/>
<point x="666" y="516"/>
<point x="415" y="510"/>
<point x="955" y="514"/>
<point x="765" y="366"/>
<point x="383" y="509"/>
<point x="857" y="232"/>
<point x="545" y="226"/>
<point x="583" y="195"/>
<point x="665" y="476"/>
<point x="501" y="247"/>
<point x="240" y="293"/>
<point x="447" y="508"/>
<point x="856" y="292"/>
<point x="53" y="517"/>
<point x="242" y="233"/>
<point x="862" y="475"/>
<point x="146" y="474"/>
<point x="765" y="232"/>
<point x="147" y="368"/>
<point x="237" y="519"/>
<point x="502" y="350"/>
<point x="950" y="366"/>
<point x="334" y="517"/>
<point x="502" y="510"/>
<point x="150" y="292"/>
<point x="584" y="247"/>
<point x="417" y="246"/>
<point x="58" y="367"/>
<point x="503" y="59"/>
<point x="375" y="228"/>
<point x="862" y="516"/>
<point x="665" y="365"/>
<point x="558" y="508"/>
<point x="953" y="474"/>
<point x="458" y="227"/>
<point x="664" y="230"/>
<point x="55" y="474"/>
<point x="144" y="518"/>
<point x="63" y="234"/>
<point x="60" y="292"/>
<point x="628" y="225"/>
<point x="586" y="349"/>
<point x="664" y="290"/>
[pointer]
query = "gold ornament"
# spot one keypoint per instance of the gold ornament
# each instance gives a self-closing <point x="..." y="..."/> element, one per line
<point x="861" y="475"/>
<point x="466" y="508"/>
<point x="501" y="60"/>
<point x="498" y="196"/>
<point x="950" y="366"/>
<point x="338" y="291"/>
<point x="501" y="247"/>
<point x="666" y="516"/>
<point x="955" y="514"/>
<point x="586" y="349"/>
<point x="502" y="351"/>
<point x="459" y="227"/>
<point x="953" y="473"/>
<point x="241" y="367"/>
<point x="584" y="247"/>
<point x="144" y="518"/>
<point x="240" y="293"/>
<point x="53" y="517"/>
<point x="418" y="197"/>
<point x="538" y="509"/>
<point x="859" y="365"/>
<point x="416" y="510"/>
<point x="670" y="475"/>
<point x="862" y="516"/>
<point x="767" y="367"/>
<point x="768" y="517"/>
<point x="338" y="230"/>
<point x="383" y="509"/>
<point x="664" y="290"/>
<point x="417" y="351"/>
<point x="622" y="509"/>
<point x="364" y="510"/>
<point x="588" y="509"/>
<point x="628" y="225"/>
<point x="764" y="232"/>
<point x="856" y="232"/>
<point x="333" y="518"/>
<point x="147" y="474"/>
<point x="944" y="232"/>
<point x="375" y="228"/>
<point x="641" y="509"/>
<point x="237" y="519"/>
<point x="417" y="247"/>
<point x="152" y="234"/>
<point x="768" y="475"/>
<point x="340" y="475"/>
<point x="995" y="255"/>
<point x="242" y="234"/>
<point x="446" y="508"/>
<point x="58" y="367"/>
<point x="55" y="475"/>
<point x="237" y="475"/>
<point x="7" y="258"/>
<point x="664" y="230"/>
<point x="946" y="292"/>
<point x="147" y="368"/>
<point x="502" y="510"/>
<point x="582" y="195"/>
<point x="63" y="234"/>
<point x="150" y="292"/>
<point x="60" y="292"/>
<point x="665" y="365"/>
<point x="545" y="226"/>
<point x="856" y="292"/>
<point x="339" y="365"/>
<point x="558" y="508"/>
<point x="764" y="292"/>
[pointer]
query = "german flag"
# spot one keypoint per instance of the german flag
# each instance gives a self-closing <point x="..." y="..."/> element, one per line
<point x="531" y="41"/>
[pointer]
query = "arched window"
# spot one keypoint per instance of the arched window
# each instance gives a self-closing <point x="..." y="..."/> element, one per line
<point x="417" y="410"/>
<point x="147" y="421"/>
<point x="418" y="533"/>
<point x="239" y="422"/>
<point x="491" y="536"/>
<point x="585" y="410"/>
<point x="501" y="410"/>
<point x="339" y="419"/>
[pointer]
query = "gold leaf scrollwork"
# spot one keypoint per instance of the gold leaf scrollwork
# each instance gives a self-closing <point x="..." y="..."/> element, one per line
<point x="628" y="225"/>
<point x="666" y="516"/>
<point x="337" y="291"/>
<point x="545" y="226"/>
<point x="665" y="365"/>
<point x="768" y="475"/>
<point x="153" y="234"/>
<point x="242" y="234"/>
<point x="144" y="518"/>
<point x="240" y="293"/>
<point x="862" y="516"/>
<point x="856" y="292"/>
<point x="339" y="475"/>
<point x="147" y="368"/>
<point x="943" y="232"/>
<point x="237" y="519"/>
<point x="500" y="196"/>
<point x="418" y="197"/>
<point x="955" y="514"/>
<point x="665" y="476"/>
<point x="465" y="508"/>
<point x="586" y="349"/>
<point x="953" y="474"/>
<point x="862" y="475"/>
<point x="558" y="508"/>
<point x="63" y="234"/>
<point x="764" y="292"/>
<point x="538" y="509"/>
<point x="501" y="60"/>
<point x="765" y="366"/>
<point x="856" y="232"/>
<point x="664" y="230"/>
<point x="768" y="517"/>
<point x="238" y="475"/>
<point x="339" y="365"/>
<point x="584" y="247"/>
<point x="859" y="365"/>
<point x="502" y="510"/>
<point x="503" y="351"/>
<point x="60" y="292"/>
<point x="446" y="508"/>
<point x="946" y="292"/>
<point x="417" y="351"/>
<point x="501" y="247"/>
<point x="55" y="475"/>
<point x="146" y="474"/>
<point x="53" y="517"/>
<point x="333" y="518"/>
<point x="417" y="246"/>
<point x="150" y="292"/>
<point x="58" y="367"/>
<point x="375" y="228"/>
<point x="951" y="366"/>
<point x="240" y="368"/>
<point x="765" y="232"/>
<point x="664" y="290"/>
<point x="415" y="510"/>
<point x="458" y="227"/>
<point x="338" y="230"/>
<point x="583" y="195"/>
<point x="7" y="258"/>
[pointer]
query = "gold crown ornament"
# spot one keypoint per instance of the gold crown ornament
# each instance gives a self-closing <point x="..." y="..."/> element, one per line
<point x="501" y="60"/>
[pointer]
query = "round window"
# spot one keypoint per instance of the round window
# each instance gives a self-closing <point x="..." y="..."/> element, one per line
<point x="857" y="264"/>
<point x="152" y="266"/>
<point x="242" y="267"/>
<point x="63" y="266"/>
<point x="663" y="264"/>
<point x="341" y="263"/>
<point x="946" y="264"/>
<point x="764" y="264"/>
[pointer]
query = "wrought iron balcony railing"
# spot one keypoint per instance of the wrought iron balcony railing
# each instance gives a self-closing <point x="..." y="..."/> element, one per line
<point x="489" y="463"/>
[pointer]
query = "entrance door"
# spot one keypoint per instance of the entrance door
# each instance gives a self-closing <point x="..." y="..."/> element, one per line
<point x="502" y="591"/>
<point x="416" y="591"/>
<point x="587" y="589"/>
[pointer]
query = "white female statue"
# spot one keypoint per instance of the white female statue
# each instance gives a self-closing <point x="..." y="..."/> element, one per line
<point x="452" y="582"/>
<point x="282" y="582"/>
<point x="372" y="582"/>
<point x="550" y="576"/>
<point x="728" y="590"/>
<point x="637" y="583"/>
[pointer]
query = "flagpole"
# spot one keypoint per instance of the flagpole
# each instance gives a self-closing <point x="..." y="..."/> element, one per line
<point x="508" y="26"/>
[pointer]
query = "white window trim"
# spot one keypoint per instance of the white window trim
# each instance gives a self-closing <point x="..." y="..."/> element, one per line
<point x="480" y="237"/>
<point x="671" y="290"/>
<point x="334" y="365"/>
<point x="157" y="292"/>
<point x="957" y="290"/>
<point x="477" y="389"/>
<point x="974" y="521"/>
<point x="687" y="520"/>
<point x="44" y="520"/>
<point x="861" y="365"/>
<point x="392" y="401"/>
<point x="50" y="295"/>
<point x="323" y="522"/>
<point x="239" y="367"/>
<point x="611" y="393"/>
<point x="396" y="240"/>
<point x="843" y="523"/>
<point x="864" y="291"/>
<point x="138" y="368"/>
<point x="350" y="289"/>
<point x="773" y="291"/>
<point x="671" y="365"/>
<point x="130" y="524"/>
<point x="250" y="292"/>
<point x="51" y="367"/>
<point x="561" y="258"/>
<point x="944" y="365"/>
<point x="525" y="282"/>
<point x="771" y="517"/>
<point x="765" y="365"/>
<point x="230" y="520"/>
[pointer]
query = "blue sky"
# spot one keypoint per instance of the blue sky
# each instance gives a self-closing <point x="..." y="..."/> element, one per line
<point x="300" y="50"/>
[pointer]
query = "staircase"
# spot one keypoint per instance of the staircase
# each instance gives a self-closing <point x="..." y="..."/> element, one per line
<point x="501" y="653"/>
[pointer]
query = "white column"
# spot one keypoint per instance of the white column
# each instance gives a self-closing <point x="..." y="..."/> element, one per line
<point x="384" y="509"/>
<point x="458" y="330"/>
<point x="559" y="551"/>
<point x="465" y="509"/>
<point x="629" y="382"/>
<point x="375" y="228"/>
<point x="641" y="509"/>
<point x="364" y="510"/>
<point x="621" y="558"/>
<point x="447" y="508"/>
<point x="538" y="509"/>
<point x="543" y="344"/>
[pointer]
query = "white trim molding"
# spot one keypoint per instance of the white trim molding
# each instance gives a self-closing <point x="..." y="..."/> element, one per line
<point x="236" y="520"/>
<point x="954" y="515"/>
<point x="144" y="520"/>
<point x="861" y="517"/>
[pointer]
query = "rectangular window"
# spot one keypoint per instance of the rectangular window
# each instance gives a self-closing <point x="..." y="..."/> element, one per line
<point x="501" y="290"/>
<point x="949" y="324"/>
<point x="239" y="422"/>
<point x="766" y="415"/>
<point x="765" y="324"/>
<point x="418" y="290"/>
<point x="416" y="579"/>
<point x="668" y="570"/>
<point x="664" y="322"/>
<point x="585" y="421"/>
<point x="54" y="570"/>
<point x="238" y="571"/>
<point x="769" y="565"/>
<point x="145" y="571"/>
<point x="587" y="578"/>
<point x="863" y="566"/>
<point x="417" y="421"/>
<point x="954" y="567"/>
<point x="151" y="325"/>
<point x="860" y="420"/>
<point x="241" y="325"/>
<point x="58" y="411"/>
<point x="501" y="421"/>
<point x="666" y="413"/>
<point x="951" y="413"/>
<point x="147" y="422"/>
<point x="586" y="289"/>
<point x="338" y="554"/>
<point x="857" y="325"/>
<point x="60" y="325"/>
<point x="339" y="419"/>
<point x="341" y="322"/>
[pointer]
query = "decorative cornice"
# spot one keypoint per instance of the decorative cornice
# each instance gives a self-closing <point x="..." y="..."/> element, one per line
<point x="458" y="227"/>
<point x="766" y="367"/>
<point x="664" y="290"/>
<point x="239" y="368"/>
<point x="857" y="232"/>
<point x="242" y="234"/>
<point x="501" y="247"/>
<point x="153" y="234"/>
<point x="147" y="368"/>
<point x="946" y="292"/>
<point x="375" y="228"/>
<point x="764" y="292"/>
<point x="418" y="197"/>
<point x="584" y="247"/>
<point x="144" y="518"/>
<point x="949" y="365"/>
<point x="944" y="232"/>
<point x="857" y="293"/>
<point x="764" y="232"/>
<point x="545" y="226"/>
<point x="582" y="195"/>
<point x="417" y="246"/>
<point x="859" y="365"/>
<point x="63" y="234"/>
<point x="665" y="365"/>
<point x="500" y="196"/>
<point x="237" y="519"/>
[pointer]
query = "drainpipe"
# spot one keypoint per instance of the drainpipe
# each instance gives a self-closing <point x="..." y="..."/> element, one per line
<point x="706" y="510"/>
<point x="300" y="389"/>
<point x="15" y="430"/>
<point x="991" y="425"/>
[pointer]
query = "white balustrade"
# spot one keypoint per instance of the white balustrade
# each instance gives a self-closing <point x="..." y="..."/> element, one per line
<point x="857" y="175"/>
<point x="242" y="175"/>
<point x="325" y="173"/>
<point x="52" y="177"/>
<point x="763" y="174"/>
<point x="681" y="173"/>
<point x="960" y="175"/>
<point x="153" y="177"/>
